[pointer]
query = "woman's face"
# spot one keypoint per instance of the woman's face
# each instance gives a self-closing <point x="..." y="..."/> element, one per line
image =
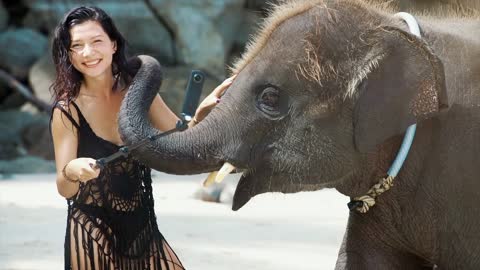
<point x="91" y="50"/>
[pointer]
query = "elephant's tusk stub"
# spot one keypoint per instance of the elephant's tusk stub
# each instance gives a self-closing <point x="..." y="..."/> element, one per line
<point x="210" y="179"/>
<point x="226" y="169"/>
<point x="218" y="176"/>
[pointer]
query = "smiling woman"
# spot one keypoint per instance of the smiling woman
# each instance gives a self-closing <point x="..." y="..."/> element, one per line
<point x="111" y="222"/>
<point x="91" y="49"/>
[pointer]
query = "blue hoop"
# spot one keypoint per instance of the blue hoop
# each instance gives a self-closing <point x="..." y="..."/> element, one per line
<point x="410" y="133"/>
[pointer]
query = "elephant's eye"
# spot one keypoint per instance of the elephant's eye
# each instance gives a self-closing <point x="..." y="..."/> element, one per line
<point x="268" y="101"/>
<point x="270" y="98"/>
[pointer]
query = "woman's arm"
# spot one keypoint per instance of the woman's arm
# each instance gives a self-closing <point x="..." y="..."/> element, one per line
<point x="65" y="143"/>
<point x="161" y="116"/>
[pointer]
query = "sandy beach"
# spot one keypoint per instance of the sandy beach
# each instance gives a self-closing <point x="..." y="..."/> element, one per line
<point x="273" y="231"/>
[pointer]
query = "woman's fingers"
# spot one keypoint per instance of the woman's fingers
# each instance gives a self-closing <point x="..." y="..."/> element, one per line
<point x="220" y="89"/>
<point x="213" y="99"/>
<point x="83" y="169"/>
<point x="87" y="174"/>
<point x="93" y="164"/>
<point x="90" y="171"/>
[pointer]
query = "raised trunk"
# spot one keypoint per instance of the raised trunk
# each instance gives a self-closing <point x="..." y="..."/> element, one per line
<point x="179" y="153"/>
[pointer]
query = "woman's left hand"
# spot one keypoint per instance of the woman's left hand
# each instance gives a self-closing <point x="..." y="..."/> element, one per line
<point x="211" y="100"/>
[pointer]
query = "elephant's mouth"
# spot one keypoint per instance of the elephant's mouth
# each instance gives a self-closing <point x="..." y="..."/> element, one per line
<point x="244" y="190"/>
<point x="248" y="186"/>
<point x="264" y="178"/>
<point x="258" y="175"/>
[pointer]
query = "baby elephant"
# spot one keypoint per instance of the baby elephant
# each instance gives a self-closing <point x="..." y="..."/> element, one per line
<point x="323" y="97"/>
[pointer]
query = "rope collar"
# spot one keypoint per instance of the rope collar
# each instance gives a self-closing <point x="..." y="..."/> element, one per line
<point x="363" y="203"/>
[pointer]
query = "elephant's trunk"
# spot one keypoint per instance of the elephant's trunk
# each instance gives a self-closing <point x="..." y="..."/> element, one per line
<point x="179" y="153"/>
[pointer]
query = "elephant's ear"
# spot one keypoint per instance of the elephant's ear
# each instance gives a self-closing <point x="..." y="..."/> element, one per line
<point x="406" y="87"/>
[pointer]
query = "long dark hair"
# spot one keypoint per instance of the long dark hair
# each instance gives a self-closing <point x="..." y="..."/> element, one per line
<point x="67" y="83"/>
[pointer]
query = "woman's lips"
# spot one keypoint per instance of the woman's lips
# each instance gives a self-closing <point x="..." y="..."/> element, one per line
<point x="92" y="64"/>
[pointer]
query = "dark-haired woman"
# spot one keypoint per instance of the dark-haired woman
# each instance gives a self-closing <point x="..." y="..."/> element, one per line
<point x="111" y="221"/>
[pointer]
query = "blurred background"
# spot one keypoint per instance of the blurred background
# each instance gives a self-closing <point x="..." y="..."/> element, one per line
<point x="181" y="34"/>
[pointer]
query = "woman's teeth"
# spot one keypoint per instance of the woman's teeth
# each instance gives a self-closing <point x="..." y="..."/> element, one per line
<point x="92" y="63"/>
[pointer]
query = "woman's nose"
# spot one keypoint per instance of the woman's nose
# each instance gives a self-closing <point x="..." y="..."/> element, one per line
<point x="87" y="50"/>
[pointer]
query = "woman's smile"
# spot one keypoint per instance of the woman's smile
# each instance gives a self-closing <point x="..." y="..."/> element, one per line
<point x="92" y="63"/>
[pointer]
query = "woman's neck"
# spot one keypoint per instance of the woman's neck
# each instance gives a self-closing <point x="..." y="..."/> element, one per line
<point x="100" y="86"/>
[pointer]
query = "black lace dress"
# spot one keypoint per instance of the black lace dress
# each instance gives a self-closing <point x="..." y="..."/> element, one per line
<point x="111" y="222"/>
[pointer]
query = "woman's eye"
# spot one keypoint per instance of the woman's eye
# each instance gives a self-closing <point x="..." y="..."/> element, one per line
<point x="97" y="41"/>
<point x="75" y="46"/>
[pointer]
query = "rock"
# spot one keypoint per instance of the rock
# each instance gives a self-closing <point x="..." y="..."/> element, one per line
<point x="244" y="33"/>
<point x="21" y="47"/>
<point x="259" y="5"/>
<point x="204" y="30"/>
<point x="3" y="17"/>
<point x="12" y="101"/>
<point x="148" y="36"/>
<point x="250" y="23"/>
<point x="41" y="76"/>
<point x="13" y="123"/>
<point x="26" y="164"/>
<point x="134" y="19"/>
<point x="4" y="91"/>
<point x="10" y="150"/>
<point x="37" y="140"/>
<point x="30" y="108"/>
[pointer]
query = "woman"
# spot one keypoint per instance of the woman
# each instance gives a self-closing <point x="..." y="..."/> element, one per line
<point x="111" y="221"/>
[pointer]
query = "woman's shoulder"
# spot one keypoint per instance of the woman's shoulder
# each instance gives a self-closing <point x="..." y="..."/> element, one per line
<point x="67" y="108"/>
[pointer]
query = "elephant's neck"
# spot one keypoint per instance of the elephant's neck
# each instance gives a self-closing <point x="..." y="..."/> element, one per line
<point x="371" y="169"/>
<point x="374" y="166"/>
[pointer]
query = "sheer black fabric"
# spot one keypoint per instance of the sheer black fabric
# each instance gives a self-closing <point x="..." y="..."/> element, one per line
<point x="111" y="222"/>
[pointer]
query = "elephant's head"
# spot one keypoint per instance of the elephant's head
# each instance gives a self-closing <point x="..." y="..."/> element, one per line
<point x="319" y="92"/>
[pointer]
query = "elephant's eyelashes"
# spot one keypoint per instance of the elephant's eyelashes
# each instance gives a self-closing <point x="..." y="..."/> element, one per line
<point x="268" y="101"/>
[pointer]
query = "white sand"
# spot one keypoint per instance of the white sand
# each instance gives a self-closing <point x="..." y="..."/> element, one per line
<point x="273" y="231"/>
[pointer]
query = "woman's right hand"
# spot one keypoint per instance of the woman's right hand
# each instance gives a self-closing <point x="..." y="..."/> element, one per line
<point x="83" y="169"/>
<point x="212" y="99"/>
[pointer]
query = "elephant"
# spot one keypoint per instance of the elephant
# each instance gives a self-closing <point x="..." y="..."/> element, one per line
<point x="461" y="6"/>
<point x="323" y="96"/>
<point x="464" y="7"/>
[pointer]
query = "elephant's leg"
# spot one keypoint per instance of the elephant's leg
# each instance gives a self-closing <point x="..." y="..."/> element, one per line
<point x="361" y="250"/>
<point x="377" y="259"/>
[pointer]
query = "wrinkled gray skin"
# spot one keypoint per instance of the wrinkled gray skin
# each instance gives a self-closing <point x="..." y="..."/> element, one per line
<point x="315" y="136"/>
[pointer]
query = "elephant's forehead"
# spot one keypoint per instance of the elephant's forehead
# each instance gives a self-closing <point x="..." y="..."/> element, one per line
<point x="279" y="14"/>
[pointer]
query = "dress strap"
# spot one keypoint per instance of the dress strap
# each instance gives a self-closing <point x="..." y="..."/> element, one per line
<point x="69" y="116"/>
<point x="81" y="118"/>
